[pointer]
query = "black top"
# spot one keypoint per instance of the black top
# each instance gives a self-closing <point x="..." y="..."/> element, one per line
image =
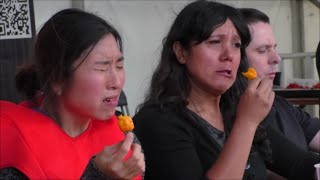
<point x="179" y="145"/>
<point x="294" y="122"/>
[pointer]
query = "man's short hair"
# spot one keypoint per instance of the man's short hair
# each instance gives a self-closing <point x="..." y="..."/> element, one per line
<point x="252" y="15"/>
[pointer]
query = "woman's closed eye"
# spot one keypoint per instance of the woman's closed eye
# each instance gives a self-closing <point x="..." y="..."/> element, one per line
<point x="100" y="69"/>
<point x="118" y="66"/>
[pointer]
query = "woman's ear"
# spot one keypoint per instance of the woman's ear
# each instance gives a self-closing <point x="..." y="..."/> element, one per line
<point x="57" y="88"/>
<point x="179" y="52"/>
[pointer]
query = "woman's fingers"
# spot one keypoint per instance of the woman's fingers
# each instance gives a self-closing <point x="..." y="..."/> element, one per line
<point x="125" y="147"/>
<point x="265" y="86"/>
<point x="111" y="150"/>
<point x="136" y="155"/>
<point x="258" y="96"/>
<point x="134" y="171"/>
<point x="112" y="160"/>
<point x="136" y="163"/>
<point x="271" y="96"/>
<point x="261" y="88"/>
<point x="254" y="83"/>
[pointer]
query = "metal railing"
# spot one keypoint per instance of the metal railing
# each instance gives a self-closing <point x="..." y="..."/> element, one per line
<point x="307" y="69"/>
<point x="296" y="56"/>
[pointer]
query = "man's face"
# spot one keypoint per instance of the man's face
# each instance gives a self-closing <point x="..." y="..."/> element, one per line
<point x="261" y="52"/>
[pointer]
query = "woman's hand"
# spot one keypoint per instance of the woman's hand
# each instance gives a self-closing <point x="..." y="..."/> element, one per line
<point x="112" y="163"/>
<point x="256" y="101"/>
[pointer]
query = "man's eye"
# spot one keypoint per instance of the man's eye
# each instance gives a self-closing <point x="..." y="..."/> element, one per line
<point x="119" y="67"/>
<point x="262" y="50"/>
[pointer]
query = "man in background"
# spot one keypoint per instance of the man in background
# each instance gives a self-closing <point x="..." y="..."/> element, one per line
<point x="297" y="125"/>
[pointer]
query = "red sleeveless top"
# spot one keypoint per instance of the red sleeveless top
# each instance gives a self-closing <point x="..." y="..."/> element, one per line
<point x="37" y="146"/>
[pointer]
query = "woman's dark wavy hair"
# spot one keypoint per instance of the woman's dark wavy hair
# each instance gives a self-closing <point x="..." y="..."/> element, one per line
<point x="193" y="25"/>
<point x="66" y="36"/>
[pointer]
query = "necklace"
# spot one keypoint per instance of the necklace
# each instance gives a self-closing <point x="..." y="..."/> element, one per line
<point x="215" y="123"/>
<point x="196" y="109"/>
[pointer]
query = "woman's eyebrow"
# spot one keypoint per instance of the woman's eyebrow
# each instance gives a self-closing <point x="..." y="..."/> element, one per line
<point x="221" y="34"/>
<point x="107" y="61"/>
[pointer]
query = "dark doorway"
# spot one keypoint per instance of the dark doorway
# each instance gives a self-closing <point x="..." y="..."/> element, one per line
<point x="17" y="30"/>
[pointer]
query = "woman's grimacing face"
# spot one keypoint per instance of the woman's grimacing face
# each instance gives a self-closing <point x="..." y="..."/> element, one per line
<point x="96" y="84"/>
<point x="212" y="65"/>
<point x="261" y="52"/>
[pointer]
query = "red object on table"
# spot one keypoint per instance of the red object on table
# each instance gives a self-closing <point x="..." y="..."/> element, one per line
<point x="293" y="86"/>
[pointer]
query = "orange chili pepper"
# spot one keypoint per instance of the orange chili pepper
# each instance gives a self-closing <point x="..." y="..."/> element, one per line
<point x="125" y="123"/>
<point x="250" y="74"/>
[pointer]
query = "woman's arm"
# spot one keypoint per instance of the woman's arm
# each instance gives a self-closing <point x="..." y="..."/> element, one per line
<point x="235" y="153"/>
<point x="254" y="105"/>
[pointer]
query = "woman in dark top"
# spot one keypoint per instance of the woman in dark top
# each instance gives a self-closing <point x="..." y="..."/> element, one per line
<point x="68" y="129"/>
<point x="201" y="118"/>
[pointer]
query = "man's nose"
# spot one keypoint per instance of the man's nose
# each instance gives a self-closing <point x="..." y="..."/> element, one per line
<point x="275" y="57"/>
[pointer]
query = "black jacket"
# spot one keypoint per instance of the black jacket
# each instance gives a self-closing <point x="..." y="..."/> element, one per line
<point x="178" y="146"/>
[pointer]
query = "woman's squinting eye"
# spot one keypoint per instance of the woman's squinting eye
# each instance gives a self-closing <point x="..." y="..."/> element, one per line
<point x="214" y="41"/>
<point x="237" y="44"/>
<point x="100" y="69"/>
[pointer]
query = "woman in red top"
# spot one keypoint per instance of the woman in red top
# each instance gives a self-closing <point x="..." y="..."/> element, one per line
<point x="69" y="131"/>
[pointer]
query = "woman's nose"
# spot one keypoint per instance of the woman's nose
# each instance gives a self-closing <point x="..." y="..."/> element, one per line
<point x="114" y="79"/>
<point x="227" y="53"/>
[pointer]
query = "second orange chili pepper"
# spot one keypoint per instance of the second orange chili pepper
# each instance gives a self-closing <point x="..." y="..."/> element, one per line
<point x="250" y="74"/>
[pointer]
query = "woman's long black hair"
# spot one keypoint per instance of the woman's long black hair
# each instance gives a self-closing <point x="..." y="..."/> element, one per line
<point x="195" y="23"/>
<point x="66" y="36"/>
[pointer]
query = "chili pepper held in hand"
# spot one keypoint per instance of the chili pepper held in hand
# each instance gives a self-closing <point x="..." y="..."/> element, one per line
<point x="250" y="74"/>
<point x="125" y="123"/>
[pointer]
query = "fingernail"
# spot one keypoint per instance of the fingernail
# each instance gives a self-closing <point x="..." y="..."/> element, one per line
<point x="130" y="134"/>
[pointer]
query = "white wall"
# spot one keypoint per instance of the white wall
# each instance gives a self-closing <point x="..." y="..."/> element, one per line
<point x="143" y="24"/>
<point x="44" y="9"/>
<point x="311" y="28"/>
